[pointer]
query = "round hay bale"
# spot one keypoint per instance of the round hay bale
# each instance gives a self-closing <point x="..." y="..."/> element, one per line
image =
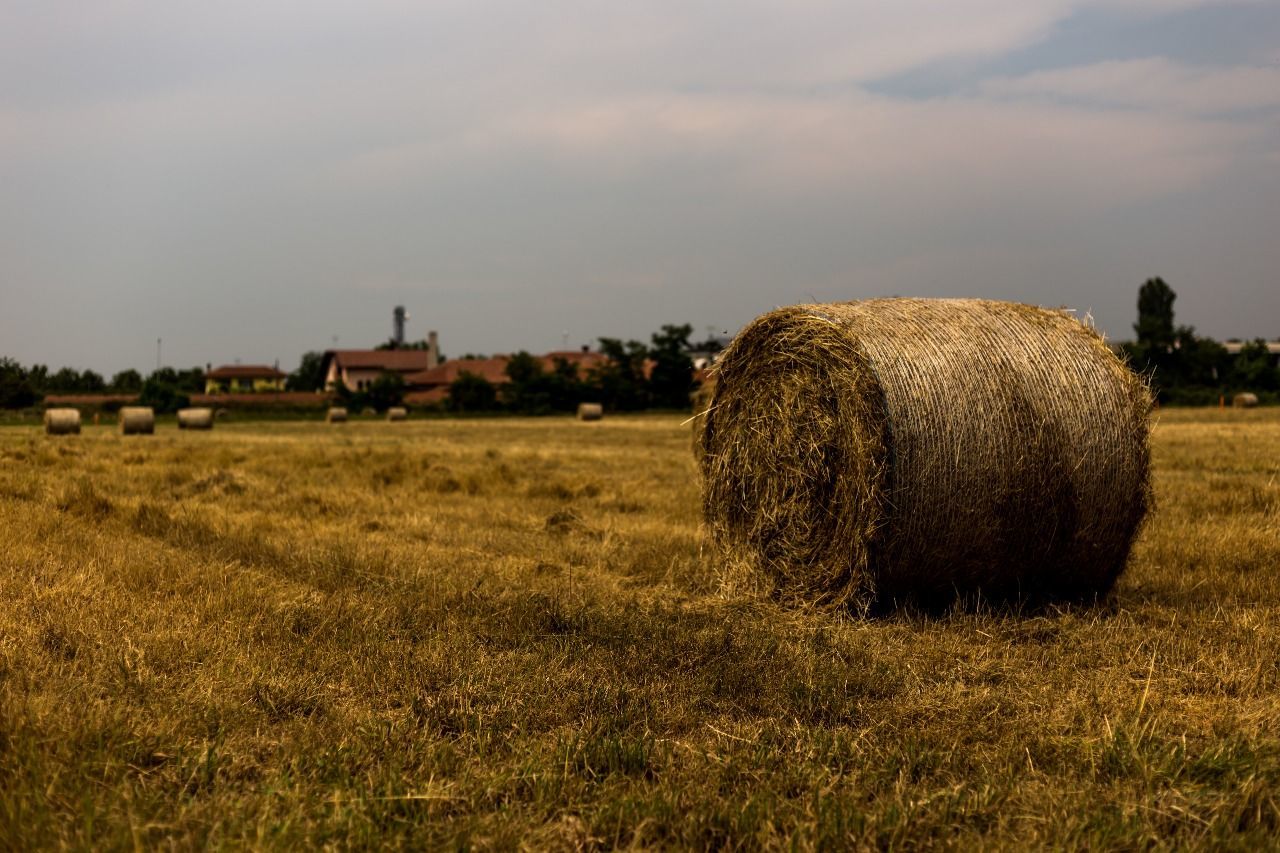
<point x="62" y="421"/>
<point x="590" y="411"/>
<point x="1245" y="400"/>
<point x="397" y="413"/>
<point x="336" y="415"/>
<point x="866" y="453"/>
<point x="195" y="418"/>
<point x="701" y="402"/>
<point x="137" y="420"/>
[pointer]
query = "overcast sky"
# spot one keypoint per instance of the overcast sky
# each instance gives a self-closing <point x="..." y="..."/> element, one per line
<point x="247" y="180"/>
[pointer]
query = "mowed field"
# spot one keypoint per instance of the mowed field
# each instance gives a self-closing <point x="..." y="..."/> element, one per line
<point x="502" y="633"/>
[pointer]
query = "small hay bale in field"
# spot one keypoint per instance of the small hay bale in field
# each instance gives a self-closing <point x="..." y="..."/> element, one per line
<point x="1245" y="400"/>
<point x="397" y="413"/>
<point x="590" y="411"/>
<point x="137" y="420"/>
<point x="62" y="421"/>
<point x="195" y="418"/>
<point x="864" y="453"/>
<point x="336" y="415"/>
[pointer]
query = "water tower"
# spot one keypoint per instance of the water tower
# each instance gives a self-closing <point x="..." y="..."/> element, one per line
<point x="399" y="316"/>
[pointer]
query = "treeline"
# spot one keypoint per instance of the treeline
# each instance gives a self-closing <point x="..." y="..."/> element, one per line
<point x="1187" y="369"/>
<point x="634" y="376"/>
<point x="165" y="389"/>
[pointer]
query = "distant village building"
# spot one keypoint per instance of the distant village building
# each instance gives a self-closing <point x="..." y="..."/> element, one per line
<point x="432" y="386"/>
<point x="243" y="379"/>
<point x="357" y="369"/>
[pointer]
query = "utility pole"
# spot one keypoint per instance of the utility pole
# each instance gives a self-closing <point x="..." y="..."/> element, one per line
<point x="157" y="353"/>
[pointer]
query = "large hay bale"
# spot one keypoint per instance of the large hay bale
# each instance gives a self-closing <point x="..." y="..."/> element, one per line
<point x="137" y="420"/>
<point x="62" y="421"/>
<point x="590" y="411"/>
<point x="864" y="453"/>
<point x="1245" y="400"/>
<point x="195" y="418"/>
<point x="701" y="402"/>
<point x="397" y="413"/>
<point x="336" y="415"/>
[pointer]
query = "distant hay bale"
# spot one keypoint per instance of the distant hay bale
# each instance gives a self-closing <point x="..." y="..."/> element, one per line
<point x="864" y="453"/>
<point x="336" y="415"/>
<point x="590" y="411"/>
<point x="62" y="421"/>
<point x="1245" y="400"/>
<point x="137" y="420"/>
<point x="195" y="418"/>
<point x="397" y="413"/>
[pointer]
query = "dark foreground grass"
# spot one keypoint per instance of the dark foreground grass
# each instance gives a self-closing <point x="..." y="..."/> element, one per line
<point x="498" y="634"/>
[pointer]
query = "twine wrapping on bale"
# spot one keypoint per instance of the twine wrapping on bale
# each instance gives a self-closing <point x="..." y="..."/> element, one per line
<point x="590" y="411"/>
<point x="1245" y="400"/>
<point x="137" y="420"/>
<point x="62" y="421"/>
<point x="865" y="453"/>
<point x="336" y="415"/>
<point x="195" y="418"/>
<point x="397" y="413"/>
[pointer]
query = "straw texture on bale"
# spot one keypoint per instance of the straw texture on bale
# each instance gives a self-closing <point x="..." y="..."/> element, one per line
<point x="590" y="411"/>
<point x="62" y="421"/>
<point x="1245" y="400"/>
<point x="196" y="418"/>
<point x="336" y="415"/>
<point x="397" y="413"/>
<point x="137" y="420"/>
<point x="701" y="400"/>
<point x="866" y="453"/>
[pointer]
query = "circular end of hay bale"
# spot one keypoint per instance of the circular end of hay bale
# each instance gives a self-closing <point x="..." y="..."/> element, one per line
<point x="62" y="421"/>
<point x="906" y="449"/>
<point x="397" y="413"/>
<point x="195" y="418"/>
<point x="1245" y="400"/>
<point x="797" y="429"/>
<point x="590" y="411"/>
<point x="336" y="415"/>
<point x="137" y="420"/>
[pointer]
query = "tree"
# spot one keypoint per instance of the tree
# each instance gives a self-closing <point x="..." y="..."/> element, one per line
<point x="16" y="390"/>
<point x="127" y="382"/>
<point x="471" y="393"/>
<point x="671" y="380"/>
<point x="162" y="396"/>
<point x="1155" y="314"/>
<point x="1253" y="370"/>
<point x="385" y="391"/>
<point x="528" y="389"/>
<point x="621" y="380"/>
<point x="310" y="374"/>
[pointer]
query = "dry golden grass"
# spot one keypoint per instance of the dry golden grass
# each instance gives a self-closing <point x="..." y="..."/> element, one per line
<point x="502" y="633"/>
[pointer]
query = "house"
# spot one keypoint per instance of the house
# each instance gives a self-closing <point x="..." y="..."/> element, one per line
<point x="357" y="369"/>
<point x="432" y="386"/>
<point x="243" y="379"/>
<point x="1233" y="347"/>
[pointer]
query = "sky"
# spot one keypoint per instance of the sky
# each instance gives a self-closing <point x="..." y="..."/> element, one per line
<point x="247" y="181"/>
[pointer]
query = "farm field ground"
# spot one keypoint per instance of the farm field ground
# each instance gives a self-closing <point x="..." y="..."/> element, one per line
<point x="497" y="633"/>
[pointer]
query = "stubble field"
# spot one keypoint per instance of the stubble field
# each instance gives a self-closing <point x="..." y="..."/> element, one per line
<point x="497" y="633"/>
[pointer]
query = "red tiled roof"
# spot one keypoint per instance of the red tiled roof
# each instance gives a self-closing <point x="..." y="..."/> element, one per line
<point x="489" y="369"/>
<point x="399" y="360"/>
<point x="494" y="370"/>
<point x="245" y="371"/>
